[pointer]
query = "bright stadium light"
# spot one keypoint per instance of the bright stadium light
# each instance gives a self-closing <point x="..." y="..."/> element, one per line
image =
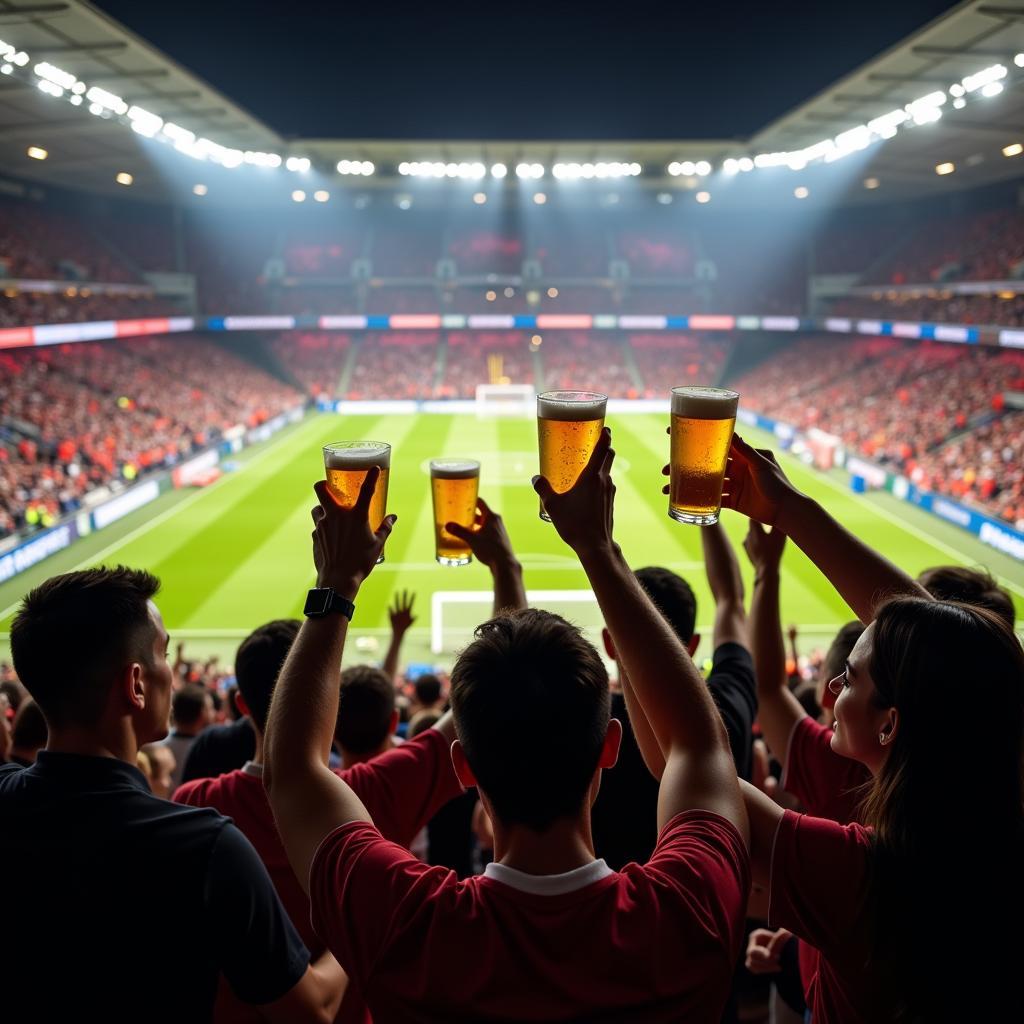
<point x="945" y="168"/>
<point x="801" y="192"/>
<point x="199" y="189"/>
<point x="404" y="167"/>
<point x="6" y="69"/>
<point x="1014" y="149"/>
<point x="983" y="78"/>
<point x="298" y="196"/>
<point x="702" y="168"/>
<point x="498" y="170"/>
<point x="300" y="164"/>
<point x="746" y="164"/>
<point x="959" y="103"/>
<point x="1019" y="60"/>
<point x="123" y="178"/>
<point x="539" y="198"/>
<point x="479" y="198"/>
<point x="992" y="89"/>
<point x="321" y="195"/>
<point x="703" y="197"/>
<point x="38" y="153"/>
<point x="730" y="166"/>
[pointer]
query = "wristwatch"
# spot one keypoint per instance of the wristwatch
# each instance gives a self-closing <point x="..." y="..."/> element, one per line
<point x="321" y="601"/>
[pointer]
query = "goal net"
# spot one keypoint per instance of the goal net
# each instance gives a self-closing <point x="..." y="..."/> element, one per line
<point x="454" y="614"/>
<point x="505" y="400"/>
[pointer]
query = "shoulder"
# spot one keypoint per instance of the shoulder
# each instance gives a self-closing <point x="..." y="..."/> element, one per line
<point x="731" y="658"/>
<point x="9" y="773"/>
<point x="808" y="840"/>
<point x="704" y="848"/>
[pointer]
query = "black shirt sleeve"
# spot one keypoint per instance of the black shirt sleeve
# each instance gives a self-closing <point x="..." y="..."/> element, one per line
<point x="260" y="952"/>
<point x="734" y="689"/>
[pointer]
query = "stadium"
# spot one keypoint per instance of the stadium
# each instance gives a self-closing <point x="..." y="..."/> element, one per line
<point x="194" y="304"/>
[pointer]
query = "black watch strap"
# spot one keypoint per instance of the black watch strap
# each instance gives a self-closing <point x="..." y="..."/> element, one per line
<point x="321" y="601"/>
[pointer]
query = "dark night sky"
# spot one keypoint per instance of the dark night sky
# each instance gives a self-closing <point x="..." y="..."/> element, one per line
<point x="633" y="70"/>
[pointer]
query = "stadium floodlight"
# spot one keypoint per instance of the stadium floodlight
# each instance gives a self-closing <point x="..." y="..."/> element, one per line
<point x="321" y="195"/>
<point x="95" y="109"/>
<point x="956" y="89"/>
<point x="64" y="79"/>
<point x="498" y="170"/>
<point x="959" y="103"/>
<point x="635" y="169"/>
<point x="745" y="163"/>
<point x="38" y="153"/>
<point x="199" y="190"/>
<point x="6" y="69"/>
<point x="50" y="88"/>
<point x="403" y="168"/>
<point x="673" y="168"/>
<point x="1019" y="60"/>
<point x="1014" y="149"/>
<point x="123" y="178"/>
<point x="479" y="198"/>
<point x="145" y="122"/>
<point x="75" y="101"/>
<point x="107" y="100"/>
<point x="451" y="170"/>
<point x="992" y="89"/>
<point x="687" y="167"/>
<point x="539" y="198"/>
<point x="945" y="168"/>
<point x="926" y="109"/>
<point x="730" y="166"/>
<point x="298" y="196"/>
<point x="299" y="164"/>
<point x="801" y="192"/>
<point x="703" y="197"/>
<point x="260" y="159"/>
<point x="984" y="77"/>
<point x="702" y="168"/>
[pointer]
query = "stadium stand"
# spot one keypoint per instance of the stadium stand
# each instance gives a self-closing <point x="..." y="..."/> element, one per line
<point x="394" y="364"/>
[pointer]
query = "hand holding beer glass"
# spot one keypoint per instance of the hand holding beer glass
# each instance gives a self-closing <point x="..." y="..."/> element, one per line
<point x="454" y="484"/>
<point x="702" y="425"/>
<point x="568" y="426"/>
<point x="347" y="463"/>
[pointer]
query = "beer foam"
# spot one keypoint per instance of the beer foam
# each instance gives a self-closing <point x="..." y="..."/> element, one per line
<point x="697" y="403"/>
<point x="571" y="406"/>
<point x="454" y="469"/>
<point x="365" y="456"/>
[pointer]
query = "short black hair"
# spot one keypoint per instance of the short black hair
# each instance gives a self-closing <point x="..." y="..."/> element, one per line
<point x="531" y="703"/>
<point x="258" y="663"/>
<point x="673" y="597"/>
<point x="428" y="689"/>
<point x="75" y="632"/>
<point x="969" y="586"/>
<point x="188" y="704"/>
<point x="366" y="704"/>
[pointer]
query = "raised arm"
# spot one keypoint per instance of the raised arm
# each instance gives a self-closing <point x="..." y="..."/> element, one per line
<point x="402" y="618"/>
<point x="726" y="584"/>
<point x="778" y="710"/>
<point x="488" y="540"/>
<point x="699" y="771"/>
<point x="307" y="798"/>
<point x="758" y="488"/>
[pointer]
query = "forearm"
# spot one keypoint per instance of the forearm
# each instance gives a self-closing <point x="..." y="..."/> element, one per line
<point x="646" y="740"/>
<point x="331" y="981"/>
<point x="390" y="664"/>
<point x="721" y="565"/>
<point x="670" y="689"/>
<point x="778" y="709"/>
<point x="304" y="709"/>
<point x="509" y="592"/>
<point x="864" y="578"/>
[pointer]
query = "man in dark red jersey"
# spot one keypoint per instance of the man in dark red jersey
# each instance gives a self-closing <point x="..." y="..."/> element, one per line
<point x="403" y="788"/>
<point x="548" y="932"/>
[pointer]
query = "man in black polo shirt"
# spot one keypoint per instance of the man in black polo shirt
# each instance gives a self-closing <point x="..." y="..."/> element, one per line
<point x="98" y="861"/>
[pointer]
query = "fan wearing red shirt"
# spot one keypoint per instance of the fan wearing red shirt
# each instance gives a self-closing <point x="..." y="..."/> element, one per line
<point x="403" y="788"/>
<point x="549" y="932"/>
<point x="937" y="849"/>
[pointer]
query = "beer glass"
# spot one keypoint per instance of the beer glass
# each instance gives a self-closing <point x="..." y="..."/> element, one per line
<point x="568" y="426"/>
<point x="454" y="485"/>
<point x="702" y="426"/>
<point x="347" y="463"/>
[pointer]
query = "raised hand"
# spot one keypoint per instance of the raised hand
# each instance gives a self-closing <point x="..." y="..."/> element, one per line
<point x="583" y="515"/>
<point x="345" y="549"/>
<point x="400" y="613"/>
<point x="764" y="950"/>
<point x="487" y="537"/>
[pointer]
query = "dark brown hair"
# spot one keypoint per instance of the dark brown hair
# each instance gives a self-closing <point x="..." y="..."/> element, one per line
<point x="969" y="586"/>
<point x="365" y="706"/>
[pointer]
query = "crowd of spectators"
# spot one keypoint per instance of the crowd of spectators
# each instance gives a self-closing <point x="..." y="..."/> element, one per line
<point x="1003" y="309"/>
<point x="314" y="359"/>
<point x="586" y="361"/>
<point x="18" y="308"/>
<point x="76" y="418"/>
<point x="486" y="252"/>
<point x="668" y="359"/>
<point x="394" y="364"/>
<point x="485" y="357"/>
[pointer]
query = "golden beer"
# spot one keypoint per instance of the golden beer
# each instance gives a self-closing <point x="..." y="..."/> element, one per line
<point x="568" y="426"/>
<point x="702" y="424"/>
<point x="347" y="463"/>
<point x="454" y="484"/>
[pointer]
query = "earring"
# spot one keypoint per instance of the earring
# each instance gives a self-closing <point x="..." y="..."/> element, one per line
<point x="881" y="738"/>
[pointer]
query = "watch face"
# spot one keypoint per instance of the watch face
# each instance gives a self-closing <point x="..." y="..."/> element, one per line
<point x="318" y="601"/>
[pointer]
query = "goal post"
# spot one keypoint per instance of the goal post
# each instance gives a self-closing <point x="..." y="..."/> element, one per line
<point x="454" y="614"/>
<point x="505" y="400"/>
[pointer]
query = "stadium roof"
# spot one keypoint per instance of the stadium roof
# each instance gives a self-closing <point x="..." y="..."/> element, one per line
<point x="86" y="152"/>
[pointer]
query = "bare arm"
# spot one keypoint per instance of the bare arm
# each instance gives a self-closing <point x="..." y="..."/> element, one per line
<point x="402" y="618"/>
<point x="646" y="739"/>
<point x="726" y="584"/>
<point x="764" y="815"/>
<point x="778" y="710"/>
<point x="308" y="800"/>
<point x="865" y="579"/>
<point x="316" y="997"/>
<point x="699" y="771"/>
<point x="489" y="541"/>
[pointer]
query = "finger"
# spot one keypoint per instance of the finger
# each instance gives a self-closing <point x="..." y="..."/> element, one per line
<point x="666" y="489"/>
<point x="597" y="456"/>
<point x="366" y="490"/>
<point x="666" y="470"/>
<point x="317" y="513"/>
<point x="755" y="530"/>
<point x="609" y="458"/>
<point x="668" y="430"/>
<point x="384" y="531"/>
<point x="483" y="507"/>
<point x="323" y="494"/>
<point x="458" y="531"/>
<point x="543" y="488"/>
<point x="777" y="944"/>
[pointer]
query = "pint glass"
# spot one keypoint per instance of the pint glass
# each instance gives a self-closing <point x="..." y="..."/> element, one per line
<point x="347" y="463"/>
<point x="568" y="426"/>
<point x="454" y="485"/>
<point x="702" y="426"/>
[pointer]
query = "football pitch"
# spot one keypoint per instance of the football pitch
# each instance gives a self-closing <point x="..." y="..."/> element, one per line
<point x="238" y="553"/>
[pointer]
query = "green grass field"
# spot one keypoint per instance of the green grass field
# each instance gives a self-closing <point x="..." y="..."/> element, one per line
<point x="237" y="553"/>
